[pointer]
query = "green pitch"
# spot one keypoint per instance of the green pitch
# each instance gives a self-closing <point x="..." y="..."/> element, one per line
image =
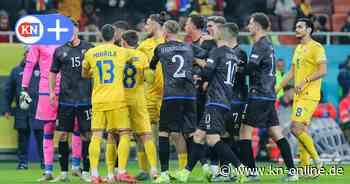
<point x="9" y="175"/>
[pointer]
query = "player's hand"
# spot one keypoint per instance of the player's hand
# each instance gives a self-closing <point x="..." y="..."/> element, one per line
<point x="24" y="100"/>
<point x="201" y="63"/>
<point x="300" y="87"/>
<point x="52" y="99"/>
<point x="205" y="86"/>
<point x="7" y="115"/>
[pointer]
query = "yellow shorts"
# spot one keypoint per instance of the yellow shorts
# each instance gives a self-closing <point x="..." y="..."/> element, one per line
<point x="153" y="107"/>
<point x="139" y="117"/>
<point x="111" y="120"/>
<point x="303" y="110"/>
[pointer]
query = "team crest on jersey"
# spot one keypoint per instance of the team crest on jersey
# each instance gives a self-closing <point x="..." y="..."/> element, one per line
<point x="65" y="54"/>
<point x="36" y="73"/>
<point x="83" y="51"/>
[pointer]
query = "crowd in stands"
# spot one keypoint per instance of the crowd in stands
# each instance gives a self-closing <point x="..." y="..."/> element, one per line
<point x="91" y="14"/>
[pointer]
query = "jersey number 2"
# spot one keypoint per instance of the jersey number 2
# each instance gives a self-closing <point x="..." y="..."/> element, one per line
<point x="102" y="72"/>
<point x="179" y="73"/>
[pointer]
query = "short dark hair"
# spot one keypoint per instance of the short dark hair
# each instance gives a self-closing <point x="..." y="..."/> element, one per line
<point x="159" y="18"/>
<point x="233" y="27"/>
<point x="107" y="32"/>
<point x="217" y="19"/>
<point x="198" y="21"/>
<point x="262" y="19"/>
<point x="130" y="37"/>
<point x="308" y="23"/>
<point x="121" y="24"/>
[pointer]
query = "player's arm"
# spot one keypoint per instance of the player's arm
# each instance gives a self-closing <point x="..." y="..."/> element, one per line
<point x="253" y="62"/>
<point x="322" y="71"/>
<point x="320" y="59"/>
<point x="286" y="79"/>
<point x="10" y="91"/>
<point x="55" y="68"/>
<point x="209" y="68"/>
<point x="86" y="70"/>
<point x="149" y="74"/>
<point x="32" y="59"/>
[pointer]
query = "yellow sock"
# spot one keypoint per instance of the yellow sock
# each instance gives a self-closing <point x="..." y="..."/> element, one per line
<point x="182" y="157"/>
<point x="304" y="156"/>
<point x="308" y="144"/>
<point x="151" y="152"/>
<point x="142" y="161"/>
<point x="123" y="151"/>
<point x="110" y="157"/>
<point x="94" y="152"/>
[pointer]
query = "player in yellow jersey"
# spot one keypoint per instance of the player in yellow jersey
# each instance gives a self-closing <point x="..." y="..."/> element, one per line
<point x="308" y="68"/>
<point x="154" y="91"/>
<point x="134" y="77"/>
<point x="105" y="64"/>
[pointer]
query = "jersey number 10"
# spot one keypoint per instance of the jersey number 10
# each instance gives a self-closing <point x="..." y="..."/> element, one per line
<point x="106" y="76"/>
<point x="231" y="70"/>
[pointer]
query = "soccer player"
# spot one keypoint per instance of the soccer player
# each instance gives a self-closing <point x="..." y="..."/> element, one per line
<point x="178" y="112"/>
<point x="194" y="27"/>
<point x="308" y="67"/>
<point x="154" y="91"/>
<point x="261" y="112"/>
<point x="220" y="70"/>
<point x="240" y="94"/>
<point x="43" y="55"/>
<point x="105" y="63"/>
<point x="120" y="27"/>
<point x="74" y="100"/>
<point x="238" y="104"/>
<point x="134" y="77"/>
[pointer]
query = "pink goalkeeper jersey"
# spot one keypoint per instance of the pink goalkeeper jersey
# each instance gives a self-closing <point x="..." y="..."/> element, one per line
<point x="44" y="55"/>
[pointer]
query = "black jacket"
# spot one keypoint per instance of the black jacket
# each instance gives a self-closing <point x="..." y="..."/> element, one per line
<point x="13" y="89"/>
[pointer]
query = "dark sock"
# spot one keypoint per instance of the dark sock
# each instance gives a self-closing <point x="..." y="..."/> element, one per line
<point x="214" y="160"/>
<point x="246" y="153"/>
<point x="63" y="151"/>
<point x="286" y="152"/>
<point x="85" y="154"/>
<point x="197" y="152"/>
<point x="235" y="147"/>
<point x="204" y="159"/>
<point x="225" y="154"/>
<point x="164" y="153"/>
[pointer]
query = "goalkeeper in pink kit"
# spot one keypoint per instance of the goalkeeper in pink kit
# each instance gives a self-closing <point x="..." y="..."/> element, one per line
<point x="43" y="54"/>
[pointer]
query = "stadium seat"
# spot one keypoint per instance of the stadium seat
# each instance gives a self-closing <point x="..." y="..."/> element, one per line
<point x="321" y="6"/>
<point x="288" y="40"/>
<point x="341" y="6"/>
<point x="338" y="21"/>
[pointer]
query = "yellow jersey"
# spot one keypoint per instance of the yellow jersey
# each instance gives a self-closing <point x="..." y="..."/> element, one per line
<point x="107" y="63"/>
<point x="134" y="75"/>
<point x="306" y="60"/>
<point x="148" y="46"/>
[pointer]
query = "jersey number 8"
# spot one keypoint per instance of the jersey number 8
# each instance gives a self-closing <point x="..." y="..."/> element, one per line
<point x="102" y="72"/>
<point x="129" y="76"/>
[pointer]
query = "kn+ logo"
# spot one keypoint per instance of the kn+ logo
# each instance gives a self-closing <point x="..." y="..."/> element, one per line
<point x="44" y="29"/>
